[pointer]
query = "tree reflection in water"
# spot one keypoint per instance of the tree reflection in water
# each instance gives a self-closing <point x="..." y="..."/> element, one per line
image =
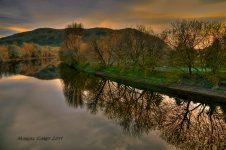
<point x="28" y="67"/>
<point x="186" y="124"/>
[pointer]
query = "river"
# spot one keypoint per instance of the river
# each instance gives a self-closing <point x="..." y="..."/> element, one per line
<point x="45" y="105"/>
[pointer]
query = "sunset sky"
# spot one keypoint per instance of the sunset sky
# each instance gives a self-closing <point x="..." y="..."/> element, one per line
<point x="23" y="15"/>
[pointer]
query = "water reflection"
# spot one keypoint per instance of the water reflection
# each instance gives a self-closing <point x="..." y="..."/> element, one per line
<point x="75" y="84"/>
<point x="31" y="108"/>
<point x="41" y="69"/>
<point x="186" y="124"/>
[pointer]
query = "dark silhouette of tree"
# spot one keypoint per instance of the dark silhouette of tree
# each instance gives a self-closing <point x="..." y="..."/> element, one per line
<point x="75" y="84"/>
<point x="194" y="126"/>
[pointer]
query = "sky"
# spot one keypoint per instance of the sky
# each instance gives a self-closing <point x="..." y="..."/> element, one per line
<point x="24" y="15"/>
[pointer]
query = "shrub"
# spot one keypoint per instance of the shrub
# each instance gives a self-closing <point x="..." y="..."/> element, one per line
<point x="37" y="51"/>
<point x="14" y="51"/>
<point x="3" y="53"/>
<point x="214" y="80"/>
<point x="67" y="56"/>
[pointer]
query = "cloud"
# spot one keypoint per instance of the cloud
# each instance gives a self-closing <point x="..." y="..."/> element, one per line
<point x="155" y="13"/>
<point x="32" y="14"/>
<point x="11" y="19"/>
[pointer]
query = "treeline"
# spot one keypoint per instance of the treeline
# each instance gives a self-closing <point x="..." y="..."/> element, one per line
<point x="196" y="44"/>
<point x="190" y="44"/>
<point x="130" y="47"/>
<point x="26" y="51"/>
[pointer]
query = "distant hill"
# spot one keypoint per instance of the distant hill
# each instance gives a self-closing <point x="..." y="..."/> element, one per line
<point x="54" y="37"/>
<point x="48" y="36"/>
<point x="42" y="36"/>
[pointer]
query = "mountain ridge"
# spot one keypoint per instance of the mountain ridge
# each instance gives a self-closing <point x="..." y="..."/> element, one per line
<point x="54" y="37"/>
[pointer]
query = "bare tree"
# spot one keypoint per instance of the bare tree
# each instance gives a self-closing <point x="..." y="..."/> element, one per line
<point x="215" y="55"/>
<point x="70" y="49"/>
<point x="185" y="37"/>
<point x="105" y="48"/>
<point x="73" y="36"/>
<point x="140" y="47"/>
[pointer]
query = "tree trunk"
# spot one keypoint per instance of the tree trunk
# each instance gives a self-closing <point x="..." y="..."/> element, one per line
<point x="190" y="70"/>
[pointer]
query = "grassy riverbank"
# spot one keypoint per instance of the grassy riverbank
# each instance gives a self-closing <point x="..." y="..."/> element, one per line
<point x="163" y="75"/>
<point x="200" y="85"/>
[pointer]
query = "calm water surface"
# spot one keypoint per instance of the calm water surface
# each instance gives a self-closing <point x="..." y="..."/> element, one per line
<point x="48" y="107"/>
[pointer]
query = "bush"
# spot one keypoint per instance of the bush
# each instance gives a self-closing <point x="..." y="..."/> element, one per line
<point x="14" y="51"/>
<point x="67" y="56"/>
<point x="3" y="53"/>
<point x="25" y="51"/>
<point x="214" y="80"/>
<point x="37" y="51"/>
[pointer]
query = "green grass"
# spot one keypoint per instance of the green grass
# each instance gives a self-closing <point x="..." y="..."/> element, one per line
<point x="134" y="73"/>
<point x="161" y="76"/>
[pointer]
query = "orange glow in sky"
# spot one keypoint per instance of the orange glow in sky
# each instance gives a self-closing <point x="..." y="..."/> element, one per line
<point x="17" y="29"/>
<point x="18" y="77"/>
